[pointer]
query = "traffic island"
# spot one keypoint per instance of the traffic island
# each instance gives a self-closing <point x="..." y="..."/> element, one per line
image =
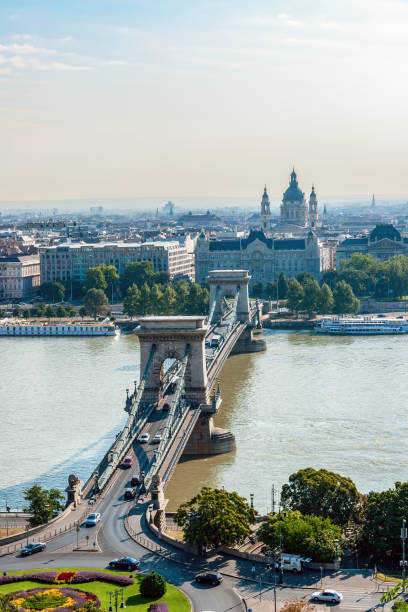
<point x="111" y="588"/>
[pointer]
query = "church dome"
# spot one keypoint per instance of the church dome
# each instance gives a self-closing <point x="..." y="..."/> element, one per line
<point x="386" y="230"/>
<point x="293" y="193"/>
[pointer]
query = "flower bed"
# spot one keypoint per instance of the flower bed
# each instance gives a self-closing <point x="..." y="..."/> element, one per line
<point x="67" y="577"/>
<point x="54" y="599"/>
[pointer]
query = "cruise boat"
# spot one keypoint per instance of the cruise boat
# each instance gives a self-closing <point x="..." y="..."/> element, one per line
<point x="20" y="328"/>
<point x="361" y="326"/>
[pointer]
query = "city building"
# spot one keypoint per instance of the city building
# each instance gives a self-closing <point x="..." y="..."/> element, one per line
<point x="264" y="258"/>
<point x="19" y="276"/>
<point x="383" y="242"/>
<point x="297" y="215"/>
<point x="72" y="260"/>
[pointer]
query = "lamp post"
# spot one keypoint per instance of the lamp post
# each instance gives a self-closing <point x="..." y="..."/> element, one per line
<point x="336" y="543"/>
<point x="115" y="596"/>
<point x="251" y="495"/>
<point x="403" y="563"/>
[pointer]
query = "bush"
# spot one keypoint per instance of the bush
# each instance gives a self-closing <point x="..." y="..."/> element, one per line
<point x="87" y="576"/>
<point x="47" y="577"/>
<point x="153" y="586"/>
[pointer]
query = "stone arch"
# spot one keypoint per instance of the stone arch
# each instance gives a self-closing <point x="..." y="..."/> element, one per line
<point x="225" y="283"/>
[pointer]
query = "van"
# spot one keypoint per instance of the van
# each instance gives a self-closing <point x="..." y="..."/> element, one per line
<point x="292" y="563"/>
<point x="215" y="341"/>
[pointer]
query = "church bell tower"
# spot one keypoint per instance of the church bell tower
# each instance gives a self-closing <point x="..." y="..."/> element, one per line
<point x="265" y="212"/>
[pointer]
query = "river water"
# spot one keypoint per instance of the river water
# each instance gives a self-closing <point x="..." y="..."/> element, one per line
<point x="338" y="403"/>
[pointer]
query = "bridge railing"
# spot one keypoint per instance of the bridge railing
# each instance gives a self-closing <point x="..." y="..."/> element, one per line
<point x="134" y="423"/>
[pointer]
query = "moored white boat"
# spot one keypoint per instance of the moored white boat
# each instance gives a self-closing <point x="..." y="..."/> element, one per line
<point x="361" y="326"/>
<point x="72" y="329"/>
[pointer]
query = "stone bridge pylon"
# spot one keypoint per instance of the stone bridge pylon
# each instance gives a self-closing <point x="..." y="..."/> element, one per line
<point x="172" y="337"/>
<point x="232" y="284"/>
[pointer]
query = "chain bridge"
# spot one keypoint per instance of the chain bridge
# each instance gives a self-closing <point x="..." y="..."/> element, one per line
<point x="178" y="393"/>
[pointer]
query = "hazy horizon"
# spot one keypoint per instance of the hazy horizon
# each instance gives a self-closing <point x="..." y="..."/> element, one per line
<point x="201" y="98"/>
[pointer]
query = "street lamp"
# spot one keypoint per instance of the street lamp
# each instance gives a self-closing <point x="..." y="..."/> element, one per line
<point x="115" y="595"/>
<point x="403" y="563"/>
<point x="251" y="495"/>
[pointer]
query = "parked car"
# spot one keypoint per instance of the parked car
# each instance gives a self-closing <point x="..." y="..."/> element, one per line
<point x="331" y="596"/>
<point x="144" y="438"/>
<point x="127" y="462"/>
<point x="92" y="519"/>
<point x="126" y="563"/>
<point x="135" y="480"/>
<point x="129" y="493"/>
<point x="166" y="407"/>
<point x="157" y="439"/>
<point x="212" y="578"/>
<point x="33" y="547"/>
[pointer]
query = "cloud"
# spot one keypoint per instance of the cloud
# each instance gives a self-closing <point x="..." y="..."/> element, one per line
<point x="115" y="63"/>
<point x="25" y="49"/>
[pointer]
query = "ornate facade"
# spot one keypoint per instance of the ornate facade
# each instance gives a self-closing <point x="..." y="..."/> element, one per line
<point x="383" y="242"/>
<point x="264" y="258"/>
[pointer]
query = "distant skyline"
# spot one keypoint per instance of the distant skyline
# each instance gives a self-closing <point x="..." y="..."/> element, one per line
<point x="202" y="98"/>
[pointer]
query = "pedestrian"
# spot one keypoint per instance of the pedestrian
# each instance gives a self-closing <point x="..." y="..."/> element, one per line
<point x="253" y="570"/>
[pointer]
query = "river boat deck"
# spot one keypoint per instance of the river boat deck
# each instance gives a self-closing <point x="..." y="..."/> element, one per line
<point x="361" y="326"/>
<point x="61" y="328"/>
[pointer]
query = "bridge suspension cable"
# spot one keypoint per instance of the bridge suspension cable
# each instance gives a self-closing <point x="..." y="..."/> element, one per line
<point x="211" y="315"/>
<point x="123" y="440"/>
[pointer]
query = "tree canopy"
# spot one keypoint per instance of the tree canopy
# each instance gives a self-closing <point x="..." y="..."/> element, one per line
<point x="321" y="492"/>
<point x="384" y="512"/>
<point x="215" y="517"/>
<point x="295" y="295"/>
<point x="43" y="504"/>
<point x="96" y="302"/>
<point x="306" y="535"/>
<point x="345" y="302"/>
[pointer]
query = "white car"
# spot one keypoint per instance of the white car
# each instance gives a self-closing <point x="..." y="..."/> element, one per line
<point x="328" y="595"/>
<point x="92" y="519"/>
<point x="144" y="438"/>
<point x="157" y="439"/>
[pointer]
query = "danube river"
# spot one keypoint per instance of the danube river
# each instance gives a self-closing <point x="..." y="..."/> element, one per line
<point x="338" y="403"/>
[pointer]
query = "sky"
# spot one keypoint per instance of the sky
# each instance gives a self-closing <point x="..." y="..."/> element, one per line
<point x="202" y="98"/>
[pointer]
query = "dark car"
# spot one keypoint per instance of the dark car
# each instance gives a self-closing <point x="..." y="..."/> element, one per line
<point x="33" y="547"/>
<point x="129" y="493"/>
<point x="135" y="480"/>
<point x="126" y="563"/>
<point x="127" y="462"/>
<point x="209" y="578"/>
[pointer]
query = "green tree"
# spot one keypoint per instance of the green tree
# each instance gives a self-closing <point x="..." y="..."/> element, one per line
<point x="303" y="276"/>
<point x="257" y="289"/>
<point x="362" y="272"/>
<point x="43" y="504"/>
<point x="168" y="301"/>
<point x="131" y="303"/>
<point x="282" y="286"/>
<point x="197" y="301"/>
<point x="182" y="289"/>
<point x="161" y="278"/>
<point x="145" y="306"/>
<point x="138" y="273"/>
<point x="326" y="301"/>
<point x="156" y="299"/>
<point x="2" y="313"/>
<point x="95" y="279"/>
<point x="271" y="290"/>
<point x="383" y="515"/>
<point x="71" y="310"/>
<point x="50" y="312"/>
<point x="295" y="295"/>
<point x="61" y="311"/>
<point x="111" y="276"/>
<point x="396" y="271"/>
<point x="52" y="291"/>
<point x="321" y="492"/>
<point x="153" y="586"/>
<point x="345" y="302"/>
<point x="305" y="535"/>
<point x="311" y="297"/>
<point x="16" y="312"/>
<point x="215" y="517"/>
<point x="39" y="310"/>
<point x="26" y="313"/>
<point x="96" y="302"/>
<point x="82" y="312"/>
<point x="331" y="277"/>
